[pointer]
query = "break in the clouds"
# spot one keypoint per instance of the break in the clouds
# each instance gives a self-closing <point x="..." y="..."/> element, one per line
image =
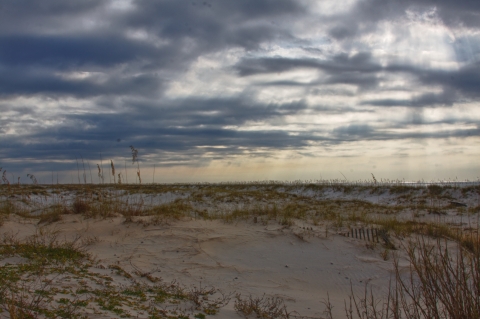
<point x="234" y="90"/>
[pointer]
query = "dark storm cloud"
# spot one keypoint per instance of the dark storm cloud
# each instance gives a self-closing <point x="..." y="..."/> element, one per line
<point x="353" y="132"/>
<point x="178" y="126"/>
<point x="21" y="9"/>
<point x="456" y="85"/>
<point x="201" y="17"/>
<point x="446" y="98"/>
<point x="358" y="69"/>
<point x="214" y="24"/>
<point x="32" y="64"/>
<point x="16" y="82"/>
<point x="73" y="52"/>
<point x="66" y="143"/>
<point x="252" y="66"/>
<point x="364" y="132"/>
<point x="32" y="16"/>
<point x="338" y="64"/>
<point x="187" y="29"/>
<point x="38" y="56"/>
<point x="221" y="112"/>
<point x="362" y="81"/>
<point x="362" y="71"/>
<point x="120" y="62"/>
<point x="466" y="80"/>
<point x="341" y="32"/>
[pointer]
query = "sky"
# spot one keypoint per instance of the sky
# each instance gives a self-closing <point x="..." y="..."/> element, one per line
<point x="240" y="90"/>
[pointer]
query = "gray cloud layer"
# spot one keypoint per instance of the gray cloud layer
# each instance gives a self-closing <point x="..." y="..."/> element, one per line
<point x="118" y="63"/>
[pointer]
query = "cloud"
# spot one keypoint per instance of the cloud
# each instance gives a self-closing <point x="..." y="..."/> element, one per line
<point x="129" y="50"/>
<point x="189" y="82"/>
<point x="354" y="131"/>
<point x="24" y="16"/>
<point x="339" y="63"/>
<point x="178" y="126"/>
<point x="189" y="130"/>
<point x="212" y="25"/>
<point x="456" y="85"/>
<point x="446" y="98"/>
<point x="363" y="71"/>
<point x="39" y="82"/>
<point x="464" y="80"/>
<point x="77" y="52"/>
<point x="341" y="32"/>
<point x="366" y="16"/>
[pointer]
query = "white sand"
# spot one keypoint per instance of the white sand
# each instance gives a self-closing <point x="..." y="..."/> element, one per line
<point x="243" y="257"/>
<point x="299" y="265"/>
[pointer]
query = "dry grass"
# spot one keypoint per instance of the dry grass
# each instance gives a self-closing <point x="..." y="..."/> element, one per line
<point x="282" y="203"/>
<point x="261" y="307"/>
<point x="442" y="282"/>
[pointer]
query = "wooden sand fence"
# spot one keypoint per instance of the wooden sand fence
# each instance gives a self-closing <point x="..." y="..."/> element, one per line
<point x="370" y="234"/>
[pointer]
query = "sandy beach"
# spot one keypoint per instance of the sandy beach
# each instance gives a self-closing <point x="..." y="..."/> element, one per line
<point x="299" y="263"/>
<point x="245" y="258"/>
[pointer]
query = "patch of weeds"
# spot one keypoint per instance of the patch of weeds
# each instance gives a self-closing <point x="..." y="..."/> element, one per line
<point x="88" y="241"/>
<point x="80" y="206"/>
<point x="136" y="291"/>
<point x="43" y="248"/>
<point x="27" y="289"/>
<point x="261" y="307"/>
<point x="338" y="222"/>
<point x="6" y="208"/>
<point x="200" y="297"/>
<point x="120" y="271"/>
<point x="175" y="210"/>
<point x="9" y="207"/>
<point x="110" y="303"/>
<point x="435" y="189"/>
<point x="400" y="189"/>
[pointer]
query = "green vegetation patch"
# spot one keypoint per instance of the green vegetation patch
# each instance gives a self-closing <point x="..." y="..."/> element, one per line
<point x="45" y="277"/>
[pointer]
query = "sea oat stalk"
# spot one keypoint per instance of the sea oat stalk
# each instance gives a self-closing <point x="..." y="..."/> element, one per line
<point x="135" y="159"/>
<point x="113" y="171"/>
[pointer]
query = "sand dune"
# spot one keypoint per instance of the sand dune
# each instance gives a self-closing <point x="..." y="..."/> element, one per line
<point x="243" y="257"/>
<point x="295" y="251"/>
